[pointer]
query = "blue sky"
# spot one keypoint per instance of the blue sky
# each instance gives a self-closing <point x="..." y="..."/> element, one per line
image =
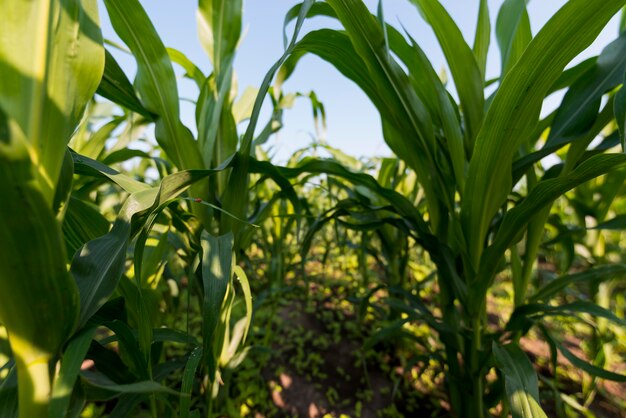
<point x="353" y="123"/>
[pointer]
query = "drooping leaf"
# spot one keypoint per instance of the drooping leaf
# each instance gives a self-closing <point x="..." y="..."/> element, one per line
<point x="156" y="81"/>
<point x="116" y="87"/>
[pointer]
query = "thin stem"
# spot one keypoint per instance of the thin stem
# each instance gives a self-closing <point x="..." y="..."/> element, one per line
<point x="477" y="379"/>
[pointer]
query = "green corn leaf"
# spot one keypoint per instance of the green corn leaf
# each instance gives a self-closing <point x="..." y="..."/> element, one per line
<point x="217" y="271"/>
<point x="594" y="275"/>
<point x="520" y="378"/>
<point x="582" y="364"/>
<point x="125" y="154"/>
<point x="482" y="37"/>
<point x="187" y="382"/>
<point x="619" y="111"/>
<point x="219" y="27"/>
<point x="94" y="146"/>
<point x="402" y="112"/>
<point x="466" y="72"/>
<point x="515" y="109"/>
<point x="247" y="294"/>
<point x="116" y="87"/>
<point x="142" y="387"/>
<point x="238" y="181"/>
<point x="191" y="70"/>
<point x="540" y="197"/>
<point x="538" y="310"/>
<point x="316" y="9"/>
<point x="569" y="76"/>
<point x="83" y="222"/>
<point x="45" y="85"/>
<point x="71" y="362"/>
<point x="156" y="81"/>
<point x="98" y="266"/>
<point x="513" y="33"/>
<point x="87" y="166"/>
<point x="579" y="108"/>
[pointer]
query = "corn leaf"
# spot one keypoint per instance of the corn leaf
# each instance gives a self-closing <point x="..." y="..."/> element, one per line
<point x="482" y="37"/>
<point x="156" y="81"/>
<point x="466" y="72"/>
<point x="514" y="222"/>
<point x="582" y="364"/>
<point x="579" y="109"/>
<point x="187" y="383"/>
<point x="513" y="33"/>
<point x="98" y="266"/>
<point x="593" y="275"/>
<point x="71" y="363"/>
<point x="191" y="70"/>
<point x="46" y="90"/>
<point x="219" y="26"/>
<point x="217" y="271"/>
<point x="520" y="378"/>
<point x="116" y="87"/>
<point x="515" y="109"/>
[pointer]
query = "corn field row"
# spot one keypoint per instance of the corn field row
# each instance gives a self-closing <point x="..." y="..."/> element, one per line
<point x="152" y="269"/>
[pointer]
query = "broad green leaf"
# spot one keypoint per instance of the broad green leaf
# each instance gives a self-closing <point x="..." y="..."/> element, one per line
<point x="513" y="33"/>
<point x="219" y="27"/>
<point x="512" y="116"/>
<point x="156" y="81"/>
<point x="217" y="271"/>
<point x="98" y="266"/>
<point x="579" y="108"/>
<point x="88" y="166"/>
<point x="116" y="87"/>
<point x="520" y="378"/>
<point x="569" y="76"/>
<point x="71" y="363"/>
<point x="515" y="220"/>
<point x="83" y="222"/>
<point x="39" y="298"/>
<point x="466" y="72"/>
<point x="402" y="112"/>
<point x="45" y="84"/>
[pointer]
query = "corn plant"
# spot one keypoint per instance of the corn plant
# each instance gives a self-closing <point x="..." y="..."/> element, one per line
<point x="478" y="163"/>
<point x="52" y="312"/>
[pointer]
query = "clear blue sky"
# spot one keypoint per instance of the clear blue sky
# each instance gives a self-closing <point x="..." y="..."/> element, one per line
<point x="353" y="123"/>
